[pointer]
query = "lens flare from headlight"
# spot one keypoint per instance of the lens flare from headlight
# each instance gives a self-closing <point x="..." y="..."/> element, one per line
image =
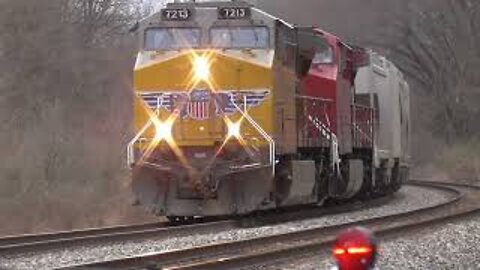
<point x="201" y="68"/>
<point x="234" y="129"/>
<point x="163" y="130"/>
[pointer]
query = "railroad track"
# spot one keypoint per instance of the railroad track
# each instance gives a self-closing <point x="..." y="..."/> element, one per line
<point x="304" y="243"/>
<point x="60" y="240"/>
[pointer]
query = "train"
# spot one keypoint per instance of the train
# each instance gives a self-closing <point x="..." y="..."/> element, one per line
<point x="237" y="111"/>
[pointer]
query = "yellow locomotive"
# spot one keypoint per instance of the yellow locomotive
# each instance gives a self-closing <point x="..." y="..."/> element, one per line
<point x="203" y="108"/>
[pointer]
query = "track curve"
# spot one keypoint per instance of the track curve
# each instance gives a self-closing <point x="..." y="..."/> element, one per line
<point x="49" y="241"/>
<point x="30" y="243"/>
<point x="246" y="253"/>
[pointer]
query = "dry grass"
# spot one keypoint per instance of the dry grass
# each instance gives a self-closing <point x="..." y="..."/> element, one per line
<point x="68" y="209"/>
<point x="459" y="162"/>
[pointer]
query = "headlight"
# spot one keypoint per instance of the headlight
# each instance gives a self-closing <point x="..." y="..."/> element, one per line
<point x="234" y="129"/>
<point x="201" y="68"/>
<point x="163" y="130"/>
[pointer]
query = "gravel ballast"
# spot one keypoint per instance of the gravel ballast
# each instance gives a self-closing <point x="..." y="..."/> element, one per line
<point x="450" y="246"/>
<point x="409" y="198"/>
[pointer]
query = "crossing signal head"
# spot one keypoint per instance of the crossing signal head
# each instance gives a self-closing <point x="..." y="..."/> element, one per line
<point x="355" y="249"/>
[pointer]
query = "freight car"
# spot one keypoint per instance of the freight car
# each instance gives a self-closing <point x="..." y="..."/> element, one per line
<point x="238" y="111"/>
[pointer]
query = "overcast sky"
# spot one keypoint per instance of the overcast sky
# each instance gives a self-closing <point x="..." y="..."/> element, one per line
<point x="157" y="4"/>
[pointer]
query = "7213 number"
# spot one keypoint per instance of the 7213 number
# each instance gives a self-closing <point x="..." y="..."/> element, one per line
<point x="234" y="13"/>
<point x="176" y="14"/>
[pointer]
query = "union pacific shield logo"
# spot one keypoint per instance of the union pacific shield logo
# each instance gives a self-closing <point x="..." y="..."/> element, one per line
<point x="197" y="104"/>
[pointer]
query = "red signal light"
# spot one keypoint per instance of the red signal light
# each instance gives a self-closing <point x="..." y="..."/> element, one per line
<point x="352" y="251"/>
<point x="355" y="249"/>
<point x="359" y="250"/>
<point x="339" y="251"/>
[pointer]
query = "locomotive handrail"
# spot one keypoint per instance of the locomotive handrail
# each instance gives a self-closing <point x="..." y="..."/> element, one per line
<point x="260" y="130"/>
<point x="131" y="144"/>
<point x="361" y="132"/>
<point x="363" y="129"/>
<point x="315" y="98"/>
<point x="319" y="120"/>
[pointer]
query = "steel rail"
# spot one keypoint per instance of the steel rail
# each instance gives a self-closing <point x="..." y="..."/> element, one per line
<point x="255" y="251"/>
<point x="383" y="227"/>
<point x="444" y="183"/>
<point x="43" y="242"/>
<point x="56" y="240"/>
<point x="48" y="241"/>
<point x="32" y="238"/>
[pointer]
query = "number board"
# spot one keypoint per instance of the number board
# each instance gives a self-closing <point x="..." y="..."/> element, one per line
<point x="234" y="13"/>
<point x="177" y="14"/>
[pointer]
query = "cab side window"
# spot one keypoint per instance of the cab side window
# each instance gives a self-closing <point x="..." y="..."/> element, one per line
<point x="323" y="56"/>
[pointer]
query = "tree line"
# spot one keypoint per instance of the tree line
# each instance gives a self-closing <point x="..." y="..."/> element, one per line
<point x="65" y="91"/>
<point x="438" y="50"/>
<point x="65" y="99"/>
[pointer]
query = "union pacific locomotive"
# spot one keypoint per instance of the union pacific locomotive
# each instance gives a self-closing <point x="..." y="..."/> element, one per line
<point x="238" y="111"/>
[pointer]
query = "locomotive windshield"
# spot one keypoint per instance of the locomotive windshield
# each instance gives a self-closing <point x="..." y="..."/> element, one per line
<point x="171" y="38"/>
<point x="323" y="56"/>
<point x="249" y="37"/>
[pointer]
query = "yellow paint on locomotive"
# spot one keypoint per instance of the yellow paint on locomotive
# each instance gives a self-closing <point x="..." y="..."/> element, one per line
<point x="227" y="73"/>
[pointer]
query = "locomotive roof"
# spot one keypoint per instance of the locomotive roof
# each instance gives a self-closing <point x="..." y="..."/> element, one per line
<point x="210" y="4"/>
<point x="205" y="7"/>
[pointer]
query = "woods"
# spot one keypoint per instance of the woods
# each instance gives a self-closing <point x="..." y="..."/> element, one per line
<point x="65" y="94"/>
<point x="438" y="50"/>
<point x="65" y="109"/>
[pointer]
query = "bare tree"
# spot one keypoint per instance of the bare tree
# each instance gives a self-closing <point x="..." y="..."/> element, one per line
<point x="438" y="50"/>
<point x="64" y="107"/>
<point x="101" y="20"/>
